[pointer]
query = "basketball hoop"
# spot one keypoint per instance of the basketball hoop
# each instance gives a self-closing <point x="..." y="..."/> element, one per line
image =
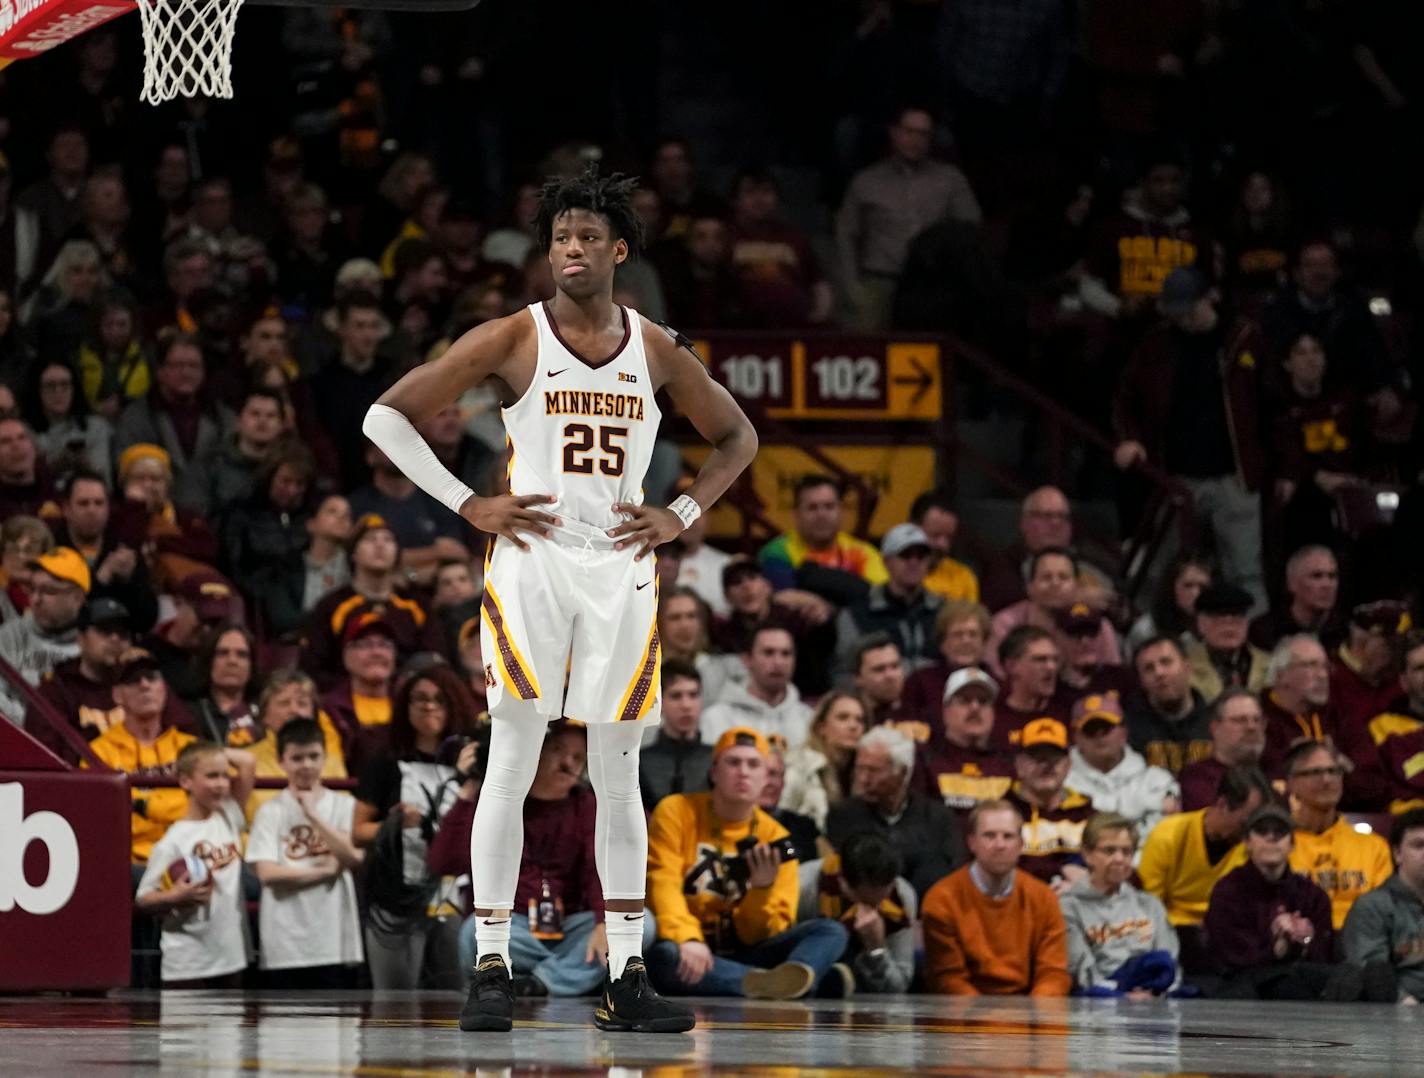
<point x="187" y="44"/>
<point x="187" y="48"/>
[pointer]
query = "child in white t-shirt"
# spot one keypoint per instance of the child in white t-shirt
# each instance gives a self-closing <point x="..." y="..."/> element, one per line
<point x="193" y="879"/>
<point x="301" y="850"/>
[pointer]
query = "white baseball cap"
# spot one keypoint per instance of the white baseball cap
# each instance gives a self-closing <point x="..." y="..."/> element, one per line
<point x="970" y="675"/>
<point x="903" y="537"/>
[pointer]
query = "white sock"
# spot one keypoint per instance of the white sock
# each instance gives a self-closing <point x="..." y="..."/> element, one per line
<point x="492" y="937"/>
<point x="625" y="940"/>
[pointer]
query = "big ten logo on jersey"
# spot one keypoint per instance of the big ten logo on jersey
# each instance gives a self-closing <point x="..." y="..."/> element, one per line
<point x="17" y="832"/>
<point x="624" y="376"/>
<point x="216" y="857"/>
<point x="302" y="842"/>
<point x="708" y="875"/>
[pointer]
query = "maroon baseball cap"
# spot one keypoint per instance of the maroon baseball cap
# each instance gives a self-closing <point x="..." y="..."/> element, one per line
<point x="368" y="522"/>
<point x="1097" y="707"/>
<point x="208" y="593"/>
<point x="365" y="623"/>
<point x="1080" y="619"/>
<point x="1385" y="614"/>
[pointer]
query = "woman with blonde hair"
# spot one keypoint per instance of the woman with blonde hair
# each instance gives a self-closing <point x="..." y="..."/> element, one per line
<point x="818" y="772"/>
<point x="683" y="623"/>
<point x="60" y="312"/>
<point x="962" y="629"/>
<point x="288" y="694"/>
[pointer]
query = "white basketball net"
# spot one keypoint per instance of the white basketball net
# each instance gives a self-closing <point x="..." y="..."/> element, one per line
<point x="187" y="47"/>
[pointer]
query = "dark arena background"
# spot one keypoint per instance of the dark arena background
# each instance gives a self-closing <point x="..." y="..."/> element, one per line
<point x="1045" y="698"/>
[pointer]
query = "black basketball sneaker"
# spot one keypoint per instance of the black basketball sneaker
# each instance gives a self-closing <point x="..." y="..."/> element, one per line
<point x="490" y="1005"/>
<point x="630" y="1004"/>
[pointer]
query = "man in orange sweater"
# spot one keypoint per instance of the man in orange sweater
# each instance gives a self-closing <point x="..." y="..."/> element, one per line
<point x="991" y="928"/>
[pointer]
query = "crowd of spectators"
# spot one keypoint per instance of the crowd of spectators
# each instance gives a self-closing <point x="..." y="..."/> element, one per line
<point x="913" y="762"/>
<point x="1099" y="827"/>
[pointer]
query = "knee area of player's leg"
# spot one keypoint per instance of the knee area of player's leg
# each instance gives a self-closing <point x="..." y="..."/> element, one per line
<point x="616" y="783"/>
<point x="508" y="782"/>
<point x="618" y="795"/>
<point x="620" y="806"/>
<point x="514" y="752"/>
<point x="502" y="791"/>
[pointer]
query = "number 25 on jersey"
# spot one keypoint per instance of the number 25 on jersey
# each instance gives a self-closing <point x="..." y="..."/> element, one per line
<point x="579" y="452"/>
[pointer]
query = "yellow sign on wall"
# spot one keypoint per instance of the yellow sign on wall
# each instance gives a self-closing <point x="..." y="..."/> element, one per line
<point x="866" y="379"/>
<point x="898" y="473"/>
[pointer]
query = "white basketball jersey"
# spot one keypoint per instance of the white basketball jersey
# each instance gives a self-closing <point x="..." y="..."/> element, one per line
<point x="584" y="431"/>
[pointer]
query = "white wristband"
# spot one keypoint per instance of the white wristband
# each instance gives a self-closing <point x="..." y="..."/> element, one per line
<point x="399" y="440"/>
<point x="687" y="510"/>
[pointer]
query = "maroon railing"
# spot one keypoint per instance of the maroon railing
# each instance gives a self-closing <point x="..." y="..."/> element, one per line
<point x="1168" y="503"/>
<point x="39" y="706"/>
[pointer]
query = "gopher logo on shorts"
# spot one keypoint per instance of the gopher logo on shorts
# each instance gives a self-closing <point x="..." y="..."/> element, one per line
<point x="489" y="675"/>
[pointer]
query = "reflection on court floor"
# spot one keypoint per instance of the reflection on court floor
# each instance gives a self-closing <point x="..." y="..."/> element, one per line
<point x="415" y="1035"/>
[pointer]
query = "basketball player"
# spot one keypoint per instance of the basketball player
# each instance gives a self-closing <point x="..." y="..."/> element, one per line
<point x="569" y="585"/>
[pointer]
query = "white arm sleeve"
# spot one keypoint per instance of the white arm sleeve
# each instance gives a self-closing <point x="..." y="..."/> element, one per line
<point x="409" y="452"/>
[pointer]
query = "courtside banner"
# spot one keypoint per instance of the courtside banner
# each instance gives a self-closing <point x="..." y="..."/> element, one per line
<point x="30" y="27"/>
<point x="65" y="905"/>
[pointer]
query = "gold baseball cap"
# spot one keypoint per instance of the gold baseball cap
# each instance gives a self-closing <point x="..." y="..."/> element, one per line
<point x="67" y="564"/>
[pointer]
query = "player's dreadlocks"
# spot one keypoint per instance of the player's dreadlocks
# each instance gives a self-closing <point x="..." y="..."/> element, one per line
<point x="611" y="197"/>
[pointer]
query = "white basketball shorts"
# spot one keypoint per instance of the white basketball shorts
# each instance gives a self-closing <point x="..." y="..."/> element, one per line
<point x="572" y="607"/>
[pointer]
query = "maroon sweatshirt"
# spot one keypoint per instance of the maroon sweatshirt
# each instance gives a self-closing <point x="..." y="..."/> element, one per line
<point x="1243" y="905"/>
<point x="1398" y="737"/>
<point x="1356" y="702"/>
<point x="1142" y="410"/>
<point x="1326" y="432"/>
<point x="924" y="694"/>
<point x="962" y="777"/>
<point x="1284" y="728"/>
<point x="558" y="847"/>
<point x="1009" y="721"/>
<point x="415" y="630"/>
<point x="1199" y="782"/>
<point x="89" y="707"/>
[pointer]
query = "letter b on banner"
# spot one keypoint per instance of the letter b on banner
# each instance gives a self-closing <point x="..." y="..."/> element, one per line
<point x="17" y="831"/>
